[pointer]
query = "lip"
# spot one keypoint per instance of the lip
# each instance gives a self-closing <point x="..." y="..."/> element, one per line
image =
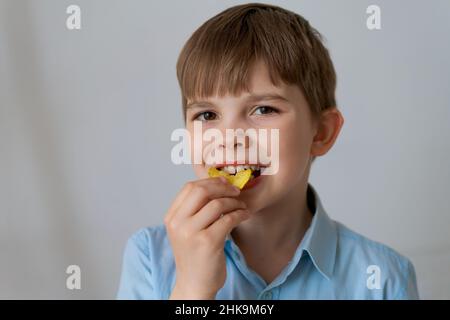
<point x="253" y="183"/>
<point x="236" y="163"/>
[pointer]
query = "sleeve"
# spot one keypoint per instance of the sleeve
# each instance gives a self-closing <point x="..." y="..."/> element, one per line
<point x="136" y="281"/>
<point x="409" y="290"/>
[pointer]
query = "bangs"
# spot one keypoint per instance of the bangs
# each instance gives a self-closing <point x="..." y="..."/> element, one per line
<point x="219" y="61"/>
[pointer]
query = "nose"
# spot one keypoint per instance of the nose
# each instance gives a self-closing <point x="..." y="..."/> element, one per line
<point x="238" y="139"/>
<point x="235" y="138"/>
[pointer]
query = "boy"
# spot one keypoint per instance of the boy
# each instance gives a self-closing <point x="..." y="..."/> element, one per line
<point x="259" y="66"/>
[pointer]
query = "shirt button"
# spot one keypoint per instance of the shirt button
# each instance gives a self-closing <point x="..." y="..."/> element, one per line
<point x="268" y="295"/>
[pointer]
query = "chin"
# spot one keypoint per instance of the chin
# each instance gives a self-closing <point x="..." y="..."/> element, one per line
<point x="256" y="201"/>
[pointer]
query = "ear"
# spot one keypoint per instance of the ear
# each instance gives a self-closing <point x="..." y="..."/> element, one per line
<point x="328" y="127"/>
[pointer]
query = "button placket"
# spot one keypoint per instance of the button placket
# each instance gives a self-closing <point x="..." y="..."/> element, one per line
<point x="268" y="295"/>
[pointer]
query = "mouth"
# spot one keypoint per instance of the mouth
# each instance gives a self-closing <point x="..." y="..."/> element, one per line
<point x="232" y="170"/>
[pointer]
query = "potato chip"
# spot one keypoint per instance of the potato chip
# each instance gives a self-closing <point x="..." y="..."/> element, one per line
<point x="239" y="180"/>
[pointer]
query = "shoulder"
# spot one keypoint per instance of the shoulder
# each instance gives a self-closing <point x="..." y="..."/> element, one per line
<point x="148" y="265"/>
<point x="151" y="242"/>
<point x="385" y="272"/>
<point x="356" y="244"/>
<point x="149" y="236"/>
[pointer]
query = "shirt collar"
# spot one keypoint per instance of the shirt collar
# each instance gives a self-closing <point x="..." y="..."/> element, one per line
<point x="320" y="239"/>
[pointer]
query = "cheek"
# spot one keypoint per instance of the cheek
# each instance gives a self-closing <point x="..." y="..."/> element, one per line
<point x="195" y="147"/>
<point x="295" y="144"/>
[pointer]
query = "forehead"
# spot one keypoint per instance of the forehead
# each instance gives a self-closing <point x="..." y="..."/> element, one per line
<point x="260" y="88"/>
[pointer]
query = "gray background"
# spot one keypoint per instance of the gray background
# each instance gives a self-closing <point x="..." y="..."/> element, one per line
<point x="86" y="118"/>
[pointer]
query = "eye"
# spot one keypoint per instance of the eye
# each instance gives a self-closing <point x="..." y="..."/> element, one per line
<point x="205" y="116"/>
<point x="261" y="110"/>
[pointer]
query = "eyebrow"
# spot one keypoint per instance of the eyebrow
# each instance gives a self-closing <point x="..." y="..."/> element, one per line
<point x="250" y="98"/>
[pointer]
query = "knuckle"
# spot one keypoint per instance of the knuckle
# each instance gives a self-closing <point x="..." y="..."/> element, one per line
<point x="166" y="220"/>
<point x="217" y="204"/>
<point x="202" y="190"/>
<point x="189" y="185"/>
<point x="172" y="224"/>
<point x="228" y="218"/>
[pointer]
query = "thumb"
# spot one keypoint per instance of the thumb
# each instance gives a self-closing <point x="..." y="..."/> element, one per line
<point x="228" y="222"/>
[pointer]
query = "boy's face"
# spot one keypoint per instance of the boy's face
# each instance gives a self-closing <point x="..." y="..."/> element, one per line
<point x="290" y="115"/>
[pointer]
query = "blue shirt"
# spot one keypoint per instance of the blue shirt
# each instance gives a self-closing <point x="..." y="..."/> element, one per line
<point x="331" y="262"/>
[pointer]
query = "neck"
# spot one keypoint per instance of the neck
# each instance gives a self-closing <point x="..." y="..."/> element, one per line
<point x="279" y="227"/>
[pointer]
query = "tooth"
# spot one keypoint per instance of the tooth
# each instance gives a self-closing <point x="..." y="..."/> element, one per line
<point x="253" y="168"/>
<point x="228" y="169"/>
<point x="239" y="168"/>
<point x="246" y="167"/>
<point x="231" y="169"/>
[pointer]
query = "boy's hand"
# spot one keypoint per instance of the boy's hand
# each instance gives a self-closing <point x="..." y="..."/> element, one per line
<point x="197" y="233"/>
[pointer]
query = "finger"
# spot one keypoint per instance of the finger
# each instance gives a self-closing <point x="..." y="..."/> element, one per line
<point x="204" y="192"/>
<point x="228" y="222"/>
<point x="187" y="188"/>
<point x="178" y="200"/>
<point x="212" y="211"/>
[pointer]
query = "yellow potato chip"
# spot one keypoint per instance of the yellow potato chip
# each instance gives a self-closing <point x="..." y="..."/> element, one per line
<point x="239" y="179"/>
